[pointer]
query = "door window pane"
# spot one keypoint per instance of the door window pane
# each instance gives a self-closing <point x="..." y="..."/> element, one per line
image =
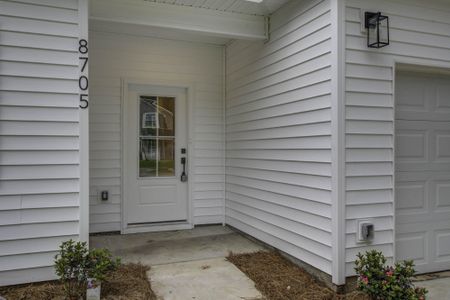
<point x="166" y="166"/>
<point x="166" y="116"/>
<point x="148" y="115"/>
<point x="147" y="157"/>
<point x="157" y="136"/>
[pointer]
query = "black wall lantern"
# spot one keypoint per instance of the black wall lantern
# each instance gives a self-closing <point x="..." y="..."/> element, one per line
<point x="377" y="29"/>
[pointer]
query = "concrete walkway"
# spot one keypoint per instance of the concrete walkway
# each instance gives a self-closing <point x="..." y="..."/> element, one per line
<point x="437" y="284"/>
<point x="188" y="264"/>
<point x="438" y="289"/>
<point x="213" y="278"/>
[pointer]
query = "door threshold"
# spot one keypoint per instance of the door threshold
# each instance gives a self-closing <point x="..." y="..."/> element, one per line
<point x="154" y="227"/>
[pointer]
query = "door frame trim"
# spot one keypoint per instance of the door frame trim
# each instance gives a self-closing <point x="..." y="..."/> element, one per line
<point x="190" y="94"/>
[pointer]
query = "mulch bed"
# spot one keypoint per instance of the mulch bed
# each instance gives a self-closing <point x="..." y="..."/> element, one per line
<point x="128" y="282"/>
<point x="279" y="279"/>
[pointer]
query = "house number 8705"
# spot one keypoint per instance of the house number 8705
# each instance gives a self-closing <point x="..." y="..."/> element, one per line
<point x="83" y="81"/>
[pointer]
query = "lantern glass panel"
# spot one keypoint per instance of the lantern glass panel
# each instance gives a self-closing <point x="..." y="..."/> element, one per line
<point x="372" y="32"/>
<point x="377" y="30"/>
<point x="383" y="25"/>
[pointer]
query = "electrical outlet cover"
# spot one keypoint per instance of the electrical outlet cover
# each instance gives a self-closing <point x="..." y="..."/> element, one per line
<point x="359" y="223"/>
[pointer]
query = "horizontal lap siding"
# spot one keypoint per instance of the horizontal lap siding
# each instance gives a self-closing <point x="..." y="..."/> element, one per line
<point x="116" y="56"/>
<point x="278" y="134"/>
<point x="39" y="136"/>
<point x="418" y="33"/>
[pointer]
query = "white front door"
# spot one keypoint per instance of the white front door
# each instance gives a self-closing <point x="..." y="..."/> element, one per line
<point x="155" y="131"/>
<point x="423" y="170"/>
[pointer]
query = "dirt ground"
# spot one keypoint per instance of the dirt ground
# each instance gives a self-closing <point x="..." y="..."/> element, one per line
<point x="129" y="282"/>
<point x="277" y="278"/>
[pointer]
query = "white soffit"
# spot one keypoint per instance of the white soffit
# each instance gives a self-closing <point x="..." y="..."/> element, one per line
<point x="266" y="7"/>
<point x="156" y="32"/>
<point x="199" y="20"/>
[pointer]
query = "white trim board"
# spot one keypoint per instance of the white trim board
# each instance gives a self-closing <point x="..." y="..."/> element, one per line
<point x="84" y="135"/>
<point x="157" y="228"/>
<point x="203" y="21"/>
<point x="338" y="142"/>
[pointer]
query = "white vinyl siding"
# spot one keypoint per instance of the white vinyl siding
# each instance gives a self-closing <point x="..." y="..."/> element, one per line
<point x="278" y="134"/>
<point x="39" y="136"/>
<point x="115" y="56"/>
<point x="420" y="34"/>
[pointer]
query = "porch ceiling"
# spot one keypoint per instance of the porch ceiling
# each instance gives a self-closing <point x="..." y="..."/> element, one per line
<point x="171" y="17"/>
<point x="264" y="8"/>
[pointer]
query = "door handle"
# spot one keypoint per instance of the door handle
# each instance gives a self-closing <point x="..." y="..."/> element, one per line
<point x="184" y="176"/>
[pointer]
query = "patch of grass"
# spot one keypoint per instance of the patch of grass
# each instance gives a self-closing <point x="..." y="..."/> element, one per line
<point x="163" y="164"/>
<point x="128" y="282"/>
<point x="279" y="279"/>
<point x="147" y="164"/>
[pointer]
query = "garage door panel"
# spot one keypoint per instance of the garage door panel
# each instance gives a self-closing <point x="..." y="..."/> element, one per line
<point x="411" y="94"/>
<point x="410" y="196"/>
<point x="422" y="196"/>
<point x="425" y="220"/>
<point x="424" y="175"/>
<point x="406" y="166"/>
<point x="440" y="116"/>
<point x="412" y="246"/>
<point x="442" y="95"/>
<point x="442" y="245"/>
<point x="432" y="124"/>
<point x="411" y="145"/>
<point x="442" y="190"/>
<point x="423" y="142"/>
<point x="442" y="140"/>
<point x="422" y="97"/>
<point x="438" y="226"/>
<point x="422" y="170"/>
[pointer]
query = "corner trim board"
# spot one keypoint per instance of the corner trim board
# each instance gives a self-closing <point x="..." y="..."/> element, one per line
<point x="338" y="140"/>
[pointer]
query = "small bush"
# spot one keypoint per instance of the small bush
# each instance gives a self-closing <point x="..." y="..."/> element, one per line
<point x="100" y="264"/>
<point x="70" y="266"/>
<point x="383" y="282"/>
<point x="74" y="264"/>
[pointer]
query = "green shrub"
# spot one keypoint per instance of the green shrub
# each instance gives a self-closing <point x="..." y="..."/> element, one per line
<point x="386" y="282"/>
<point x="100" y="264"/>
<point x="74" y="264"/>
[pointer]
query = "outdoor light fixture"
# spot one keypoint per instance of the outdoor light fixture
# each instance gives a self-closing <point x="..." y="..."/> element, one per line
<point x="377" y="29"/>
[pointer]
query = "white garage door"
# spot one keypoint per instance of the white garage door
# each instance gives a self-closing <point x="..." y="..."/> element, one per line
<point x="423" y="170"/>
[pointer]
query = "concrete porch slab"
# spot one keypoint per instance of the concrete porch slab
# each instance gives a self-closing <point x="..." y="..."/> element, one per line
<point x="187" y="264"/>
<point x="158" y="248"/>
<point x="206" y="279"/>
<point x="438" y="289"/>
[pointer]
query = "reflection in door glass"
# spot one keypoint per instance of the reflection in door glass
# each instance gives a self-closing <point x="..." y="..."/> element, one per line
<point x="147" y="158"/>
<point x="157" y="136"/>
<point x="148" y="115"/>
<point x="166" y="114"/>
<point x="165" y="160"/>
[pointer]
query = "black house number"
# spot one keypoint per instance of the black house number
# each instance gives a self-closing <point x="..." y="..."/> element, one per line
<point x="83" y="81"/>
